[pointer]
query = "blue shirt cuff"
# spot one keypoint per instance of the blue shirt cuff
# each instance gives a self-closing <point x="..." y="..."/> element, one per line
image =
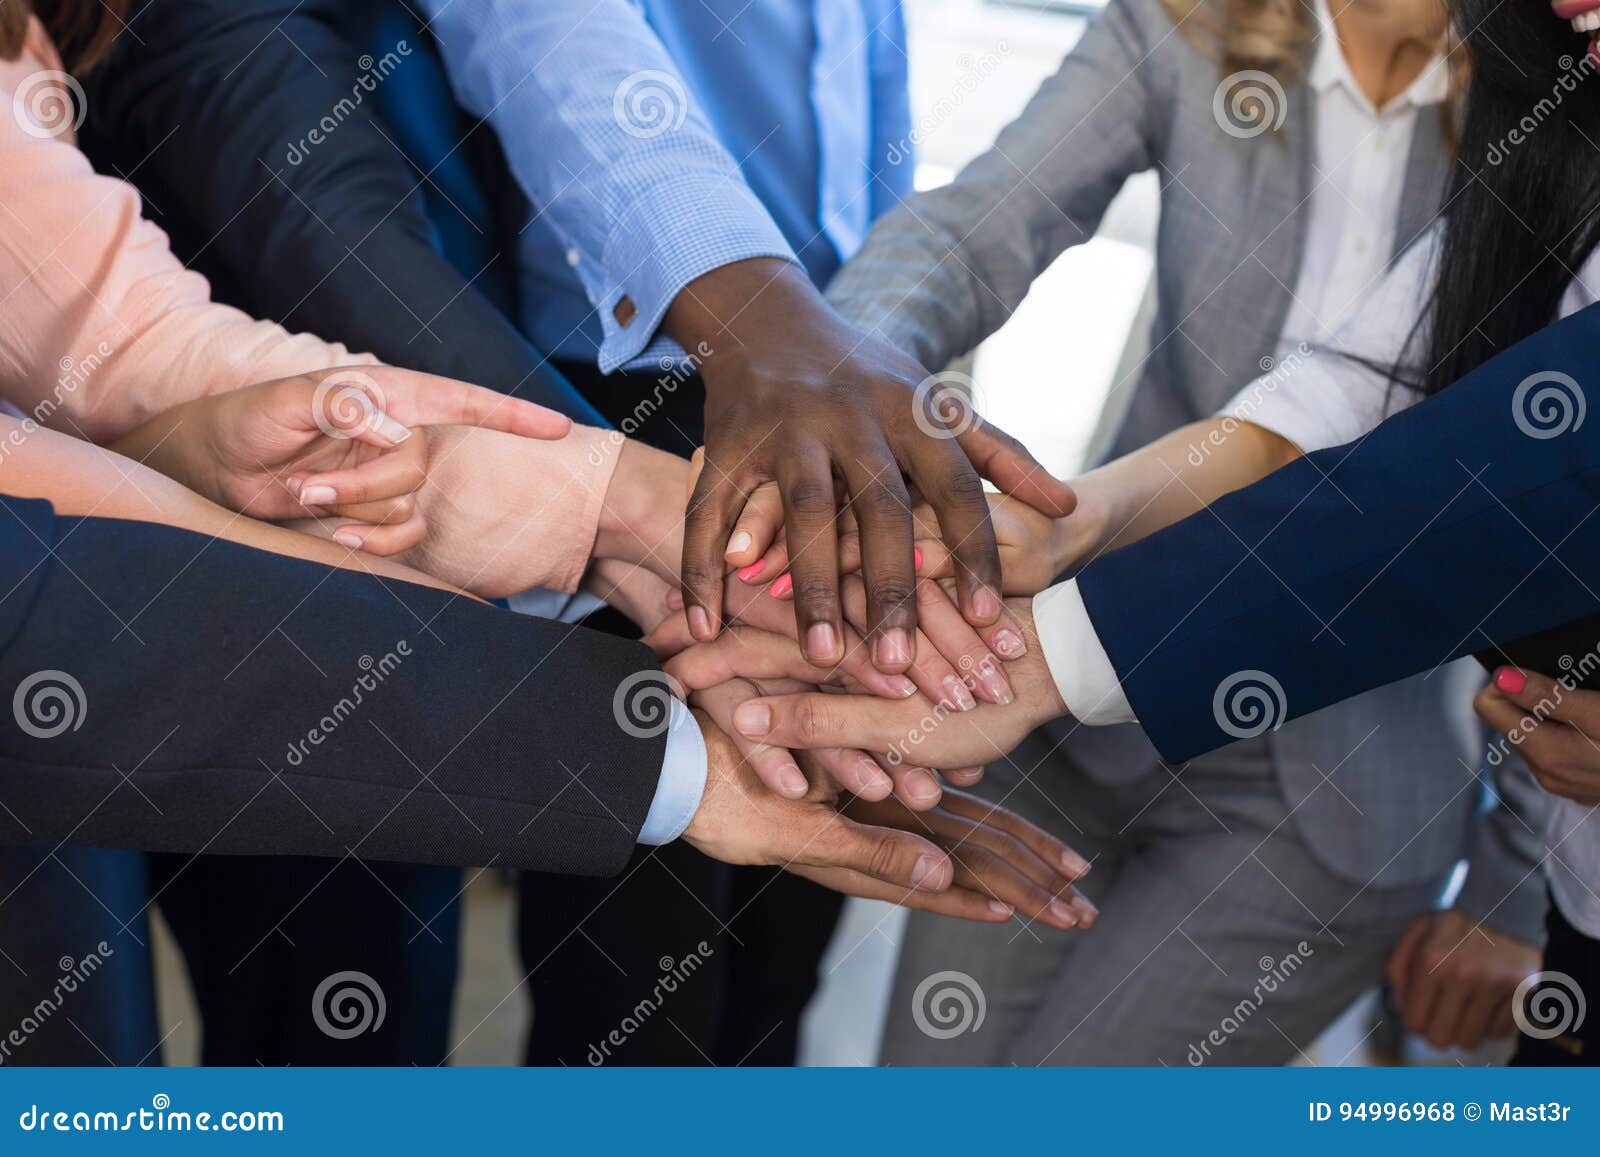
<point x="682" y="783"/>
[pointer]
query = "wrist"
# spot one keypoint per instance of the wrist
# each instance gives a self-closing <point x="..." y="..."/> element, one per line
<point x="641" y="517"/>
<point x="721" y="314"/>
<point x="1077" y="538"/>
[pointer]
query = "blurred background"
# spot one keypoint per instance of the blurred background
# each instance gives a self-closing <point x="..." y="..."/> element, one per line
<point x="1055" y="376"/>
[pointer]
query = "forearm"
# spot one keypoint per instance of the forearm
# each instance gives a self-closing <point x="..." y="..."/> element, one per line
<point x="1175" y="476"/>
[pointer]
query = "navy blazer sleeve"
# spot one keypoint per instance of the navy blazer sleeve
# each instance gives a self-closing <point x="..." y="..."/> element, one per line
<point x="165" y="691"/>
<point x="209" y="107"/>
<point x="1466" y="520"/>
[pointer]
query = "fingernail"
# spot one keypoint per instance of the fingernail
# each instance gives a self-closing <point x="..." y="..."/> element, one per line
<point x="346" y="539"/>
<point x="293" y="485"/>
<point x="1009" y="643"/>
<point x="957" y="694"/>
<point x="925" y="872"/>
<point x="792" y="783"/>
<point x="753" y="719"/>
<point x="922" y="788"/>
<point x="1087" y="912"/>
<point x="985" y="605"/>
<point x="894" y="648"/>
<point x="749" y="573"/>
<point x="317" y="495"/>
<point x="739" y="542"/>
<point x="993" y="681"/>
<point x="782" y="587"/>
<point x="999" y="908"/>
<point x="1510" y="680"/>
<point x="700" y="623"/>
<point x="916" y="564"/>
<point x="874" y="779"/>
<point x="822" y="643"/>
<point x="1063" y="912"/>
<point x="393" y="431"/>
<point x="902" y="686"/>
<point x="675" y="600"/>
<point x="1076" y="866"/>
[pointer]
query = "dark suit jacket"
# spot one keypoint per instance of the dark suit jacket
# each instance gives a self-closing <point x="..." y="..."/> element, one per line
<point x="1448" y="528"/>
<point x="171" y="692"/>
<point x="210" y="107"/>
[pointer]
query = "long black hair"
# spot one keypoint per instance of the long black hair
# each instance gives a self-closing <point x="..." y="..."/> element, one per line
<point x="1523" y="207"/>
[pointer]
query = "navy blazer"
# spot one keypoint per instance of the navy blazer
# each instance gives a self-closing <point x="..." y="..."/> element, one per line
<point x="1459" y="523"/>
<point x="173" y="692"/>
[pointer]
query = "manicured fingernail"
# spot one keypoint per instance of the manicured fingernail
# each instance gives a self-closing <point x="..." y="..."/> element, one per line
<point x="1510" y="680"/>
<point x="782" y="587"/>
<point x="293" y="485"/>
<point x="1009" y="644"/>
<point x="902" y="686"/>
<point x="1063" y="912"/>
<point x="993" y="682"/>
<point x="894" y="648"/>
<point x="753" y="719"/>
<point x="957" y="694"/>
<point x="700" y="623"/>
<point x="739" y="542"/>
<point x="317" y="495"/>
<point x="916" y="564"/>
<point x="394" y="432"/>
<point x="1075" y="864"/>
<point x="749" y="573"/>
<point x="822" y="643"/>
<point x="1000" y="908"/>
<point x="985" y="605"/>
<point x="792" y="783"/>
<point x="346" y="539"/>
<point x="925" y="873"/>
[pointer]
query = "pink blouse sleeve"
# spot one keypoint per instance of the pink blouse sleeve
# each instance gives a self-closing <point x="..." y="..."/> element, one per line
<point x="102" y="327"/>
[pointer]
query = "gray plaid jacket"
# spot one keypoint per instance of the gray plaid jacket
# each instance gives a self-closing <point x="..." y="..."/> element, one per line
<point x="1383" y="787"/>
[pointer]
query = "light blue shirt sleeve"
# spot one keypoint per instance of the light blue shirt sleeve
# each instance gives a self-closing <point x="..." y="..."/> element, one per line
<point x="611" y="149"/>
<point x="682" y="783"/>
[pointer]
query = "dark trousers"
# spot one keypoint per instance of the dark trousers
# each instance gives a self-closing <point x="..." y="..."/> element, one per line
<point x="680" y="960"/>
<point x="1554" y="1003"/>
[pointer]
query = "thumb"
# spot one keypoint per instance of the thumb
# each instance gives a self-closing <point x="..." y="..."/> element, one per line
<point x="1007" y="463"/>
<point x="886" y="854"/>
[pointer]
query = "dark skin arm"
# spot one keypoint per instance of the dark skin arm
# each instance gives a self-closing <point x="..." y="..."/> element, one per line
<point x="796" y="395"/>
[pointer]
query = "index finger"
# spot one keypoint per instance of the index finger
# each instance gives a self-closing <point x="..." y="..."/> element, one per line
<point x="417" y="399"/>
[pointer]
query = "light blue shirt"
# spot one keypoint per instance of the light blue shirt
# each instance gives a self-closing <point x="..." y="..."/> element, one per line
<point x="659" y="139"/>
<point x="682" y="782"/>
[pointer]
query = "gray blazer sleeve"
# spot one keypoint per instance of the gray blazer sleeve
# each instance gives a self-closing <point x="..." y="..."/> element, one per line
<point x="1505" y="884"/>
<point x="948" y="267"/>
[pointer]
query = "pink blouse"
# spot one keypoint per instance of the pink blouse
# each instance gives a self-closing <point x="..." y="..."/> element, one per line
<point x="101" y="327"/>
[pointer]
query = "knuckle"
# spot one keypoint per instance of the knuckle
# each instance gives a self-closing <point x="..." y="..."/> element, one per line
<point x="962" y="487"/>
<point x="885" y="854"/>
<point x="812" y="720"/>
<point x="697" y="576"/>
<point x="811" y="497"/>
<point x="881" y="499"/>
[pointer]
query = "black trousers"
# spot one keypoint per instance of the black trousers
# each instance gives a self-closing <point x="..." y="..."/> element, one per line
<point x="738" y="948"/>
<point x="1555" y="1002"/>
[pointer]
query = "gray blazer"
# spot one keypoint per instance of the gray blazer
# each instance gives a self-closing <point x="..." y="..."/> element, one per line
<point x="1384" y="787"/>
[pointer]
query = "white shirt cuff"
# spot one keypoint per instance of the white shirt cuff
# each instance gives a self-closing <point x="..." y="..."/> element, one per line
<point x="1078" y="663"/>
<point x="682" y="783"/>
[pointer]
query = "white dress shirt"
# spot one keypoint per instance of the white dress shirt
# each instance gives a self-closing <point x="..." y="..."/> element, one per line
<point x="1358" y="171"/>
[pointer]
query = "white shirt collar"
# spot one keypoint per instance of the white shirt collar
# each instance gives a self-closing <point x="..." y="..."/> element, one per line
<point x="1329" y="69"/>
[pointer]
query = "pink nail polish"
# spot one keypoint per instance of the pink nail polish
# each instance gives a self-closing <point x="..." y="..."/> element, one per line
<point x="916" y="557"/>
<point x="1510" y="680"/>
<point x="782" y="587"/>
<point x="749" y="573"/>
